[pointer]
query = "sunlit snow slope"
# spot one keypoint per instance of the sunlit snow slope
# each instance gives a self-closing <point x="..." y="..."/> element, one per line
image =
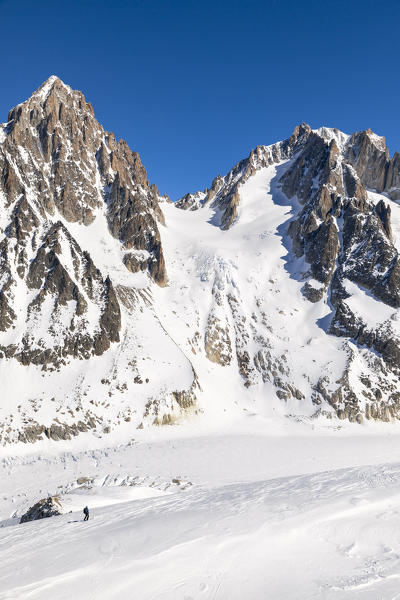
<point x="289" y="516"/>
<point x="244" y="285"/>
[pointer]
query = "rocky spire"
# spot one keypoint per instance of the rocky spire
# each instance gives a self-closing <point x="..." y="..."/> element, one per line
<point x="369" y="155"/>
<point x="56" y="150"/>
<point x="57" y="164"/>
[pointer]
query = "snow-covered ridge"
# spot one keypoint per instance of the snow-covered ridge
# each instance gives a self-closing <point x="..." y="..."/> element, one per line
<point x="43" y="91"/>
<point x="2" y="132"/>
<point x="378" y="140"/>
<point x="329" y="133"/>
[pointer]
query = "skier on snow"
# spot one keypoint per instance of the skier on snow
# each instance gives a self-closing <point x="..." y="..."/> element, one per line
<point x="86" y="513"/>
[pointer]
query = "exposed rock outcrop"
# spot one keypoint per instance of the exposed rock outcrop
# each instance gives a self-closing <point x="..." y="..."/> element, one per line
<point x="48" y="507"/>
<point x="369" y="155"/>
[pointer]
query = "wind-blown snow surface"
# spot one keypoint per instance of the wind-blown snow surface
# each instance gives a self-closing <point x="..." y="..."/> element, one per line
<point x="262" y="511"/>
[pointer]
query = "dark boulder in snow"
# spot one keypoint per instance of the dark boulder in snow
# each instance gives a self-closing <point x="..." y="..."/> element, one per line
<point x="47" y="507"/>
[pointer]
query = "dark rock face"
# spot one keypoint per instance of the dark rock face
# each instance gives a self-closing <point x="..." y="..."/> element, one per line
<point x="392" y="183"/>
<point x="130" y="221"/>
<point x="336" y="205"/>
<point x="368" y="256"/>
<point x="369" y="155"/>
<point x="57" y="162"/>
<point x="133" y="212"/>
<point x="48" y="507"/>
<point x="66" y="292"/>
<point x="315" y="178"/>
<point x="346" y="239"/>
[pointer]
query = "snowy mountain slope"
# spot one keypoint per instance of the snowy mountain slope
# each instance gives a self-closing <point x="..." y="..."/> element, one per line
<point x="244" y="304"/>
<point x="274" y="292"/>
<point x="286" y="515"/>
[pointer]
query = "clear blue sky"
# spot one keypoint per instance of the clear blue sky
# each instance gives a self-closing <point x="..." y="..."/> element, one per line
<point x="194" y="85"/>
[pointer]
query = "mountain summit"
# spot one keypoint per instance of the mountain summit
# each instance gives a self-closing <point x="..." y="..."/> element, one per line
<point x="274" y="291"/>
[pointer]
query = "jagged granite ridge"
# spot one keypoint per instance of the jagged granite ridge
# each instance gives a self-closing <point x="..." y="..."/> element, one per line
<point x="341" y="234"/>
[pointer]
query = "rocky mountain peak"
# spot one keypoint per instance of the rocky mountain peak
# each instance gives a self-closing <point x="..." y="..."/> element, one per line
<point x="54" y="106"/>
<point x="366" y="160"/>
<point x="55" y="152"/>
<point x="59" y="166"/>
<point x="79" y="241"/>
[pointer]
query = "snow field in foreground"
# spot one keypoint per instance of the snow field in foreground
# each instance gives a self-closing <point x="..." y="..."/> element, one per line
<point x="330" y="535"/>
<point x="280" y="517"/>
